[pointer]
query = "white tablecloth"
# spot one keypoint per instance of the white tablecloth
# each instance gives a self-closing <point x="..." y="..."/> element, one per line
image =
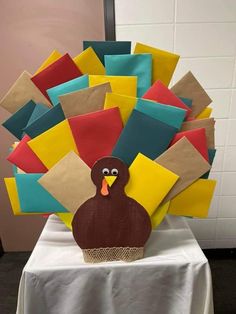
<point x="173" y="278"/>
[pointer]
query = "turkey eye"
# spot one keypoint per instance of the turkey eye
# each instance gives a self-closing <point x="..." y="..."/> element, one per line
<point x="105" y="171"/>
<point x="114" y="172"/>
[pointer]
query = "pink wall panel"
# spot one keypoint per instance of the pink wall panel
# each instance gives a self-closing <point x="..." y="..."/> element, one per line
<point x="29" y="31"/>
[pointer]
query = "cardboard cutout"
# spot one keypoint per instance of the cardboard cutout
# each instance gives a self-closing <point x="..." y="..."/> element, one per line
<point x="111" y="225"/>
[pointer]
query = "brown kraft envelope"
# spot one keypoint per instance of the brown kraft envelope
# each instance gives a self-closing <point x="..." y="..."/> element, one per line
<point x="84" y="101"/>
<point x="189" y="87"/>
<point x="183" y="159"/>
<point x="22" y="91"/>
<point x="69" y="182"/>
<point x="208" y="124"/>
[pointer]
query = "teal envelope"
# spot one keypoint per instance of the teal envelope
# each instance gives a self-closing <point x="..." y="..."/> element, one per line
<point x="52" y="117"/>
<point x="188" y="102"/>
<point x="18" y="120"/>
<point x="143" y="134"/>
<point x="211" y="155"/>
<point x="170" y="115"/>
<point x="33" y="197"/>
<point x="139" y="65"/>
<point x="14" y="168"/>
<point x="103" y="48"/>
<point x="37" y="113"/>
<point x="67" y="87"/>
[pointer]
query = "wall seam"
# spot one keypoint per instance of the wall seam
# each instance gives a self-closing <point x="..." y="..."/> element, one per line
<point x="174" y="35"/>
<point x="177" y="23"/>
<point x="223" y="159"/>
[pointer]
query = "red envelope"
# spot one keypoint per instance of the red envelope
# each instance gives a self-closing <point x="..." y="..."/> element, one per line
<point x="160" y="93"/>
<point x="198" y="139"/>
<point x="24" y="158"/>
<point x="190" y="119"/>
<point x="61" y="71"/>
<point x="96" y="133"/>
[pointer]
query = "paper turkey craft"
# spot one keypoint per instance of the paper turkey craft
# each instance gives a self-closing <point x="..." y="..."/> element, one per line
<point x="109" y="154"/>
<point x="111" y="225"/>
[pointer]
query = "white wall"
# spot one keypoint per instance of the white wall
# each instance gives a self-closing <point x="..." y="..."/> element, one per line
<point x="203" y="32"/>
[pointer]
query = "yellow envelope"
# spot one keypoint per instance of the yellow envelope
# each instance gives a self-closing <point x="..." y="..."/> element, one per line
<point x="53" y="144"/>
<point x="66" y="218"/>
<point x="159" y="215"/>
<point x="163" y="62"/>
<point x="195" y="200"/>
<point x="206" y="113"/>
<point x="54" y="56"/>
<point x="125" y="103"/>
<point x="149" y="182"/>
<point x="124" y="85"/>
<point x="13" y="197"/>
<point x="89" y="63"/>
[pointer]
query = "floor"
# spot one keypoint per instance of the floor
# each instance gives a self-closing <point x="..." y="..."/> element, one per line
<point x="222" y="262"/>
<point x="223" y="270"/>
<point x="11" y="265"/>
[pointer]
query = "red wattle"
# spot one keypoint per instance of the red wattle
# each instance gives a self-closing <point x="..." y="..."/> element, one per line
<point x="104" y="189"/>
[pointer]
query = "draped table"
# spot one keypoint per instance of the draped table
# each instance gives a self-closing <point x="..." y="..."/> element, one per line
<point x="173" y="278"/>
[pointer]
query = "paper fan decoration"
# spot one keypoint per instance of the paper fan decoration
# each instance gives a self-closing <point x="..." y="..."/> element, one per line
<point x="104" y="143"/>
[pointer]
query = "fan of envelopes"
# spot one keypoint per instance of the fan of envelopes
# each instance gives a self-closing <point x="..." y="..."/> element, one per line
<point x="105" y="144"/>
